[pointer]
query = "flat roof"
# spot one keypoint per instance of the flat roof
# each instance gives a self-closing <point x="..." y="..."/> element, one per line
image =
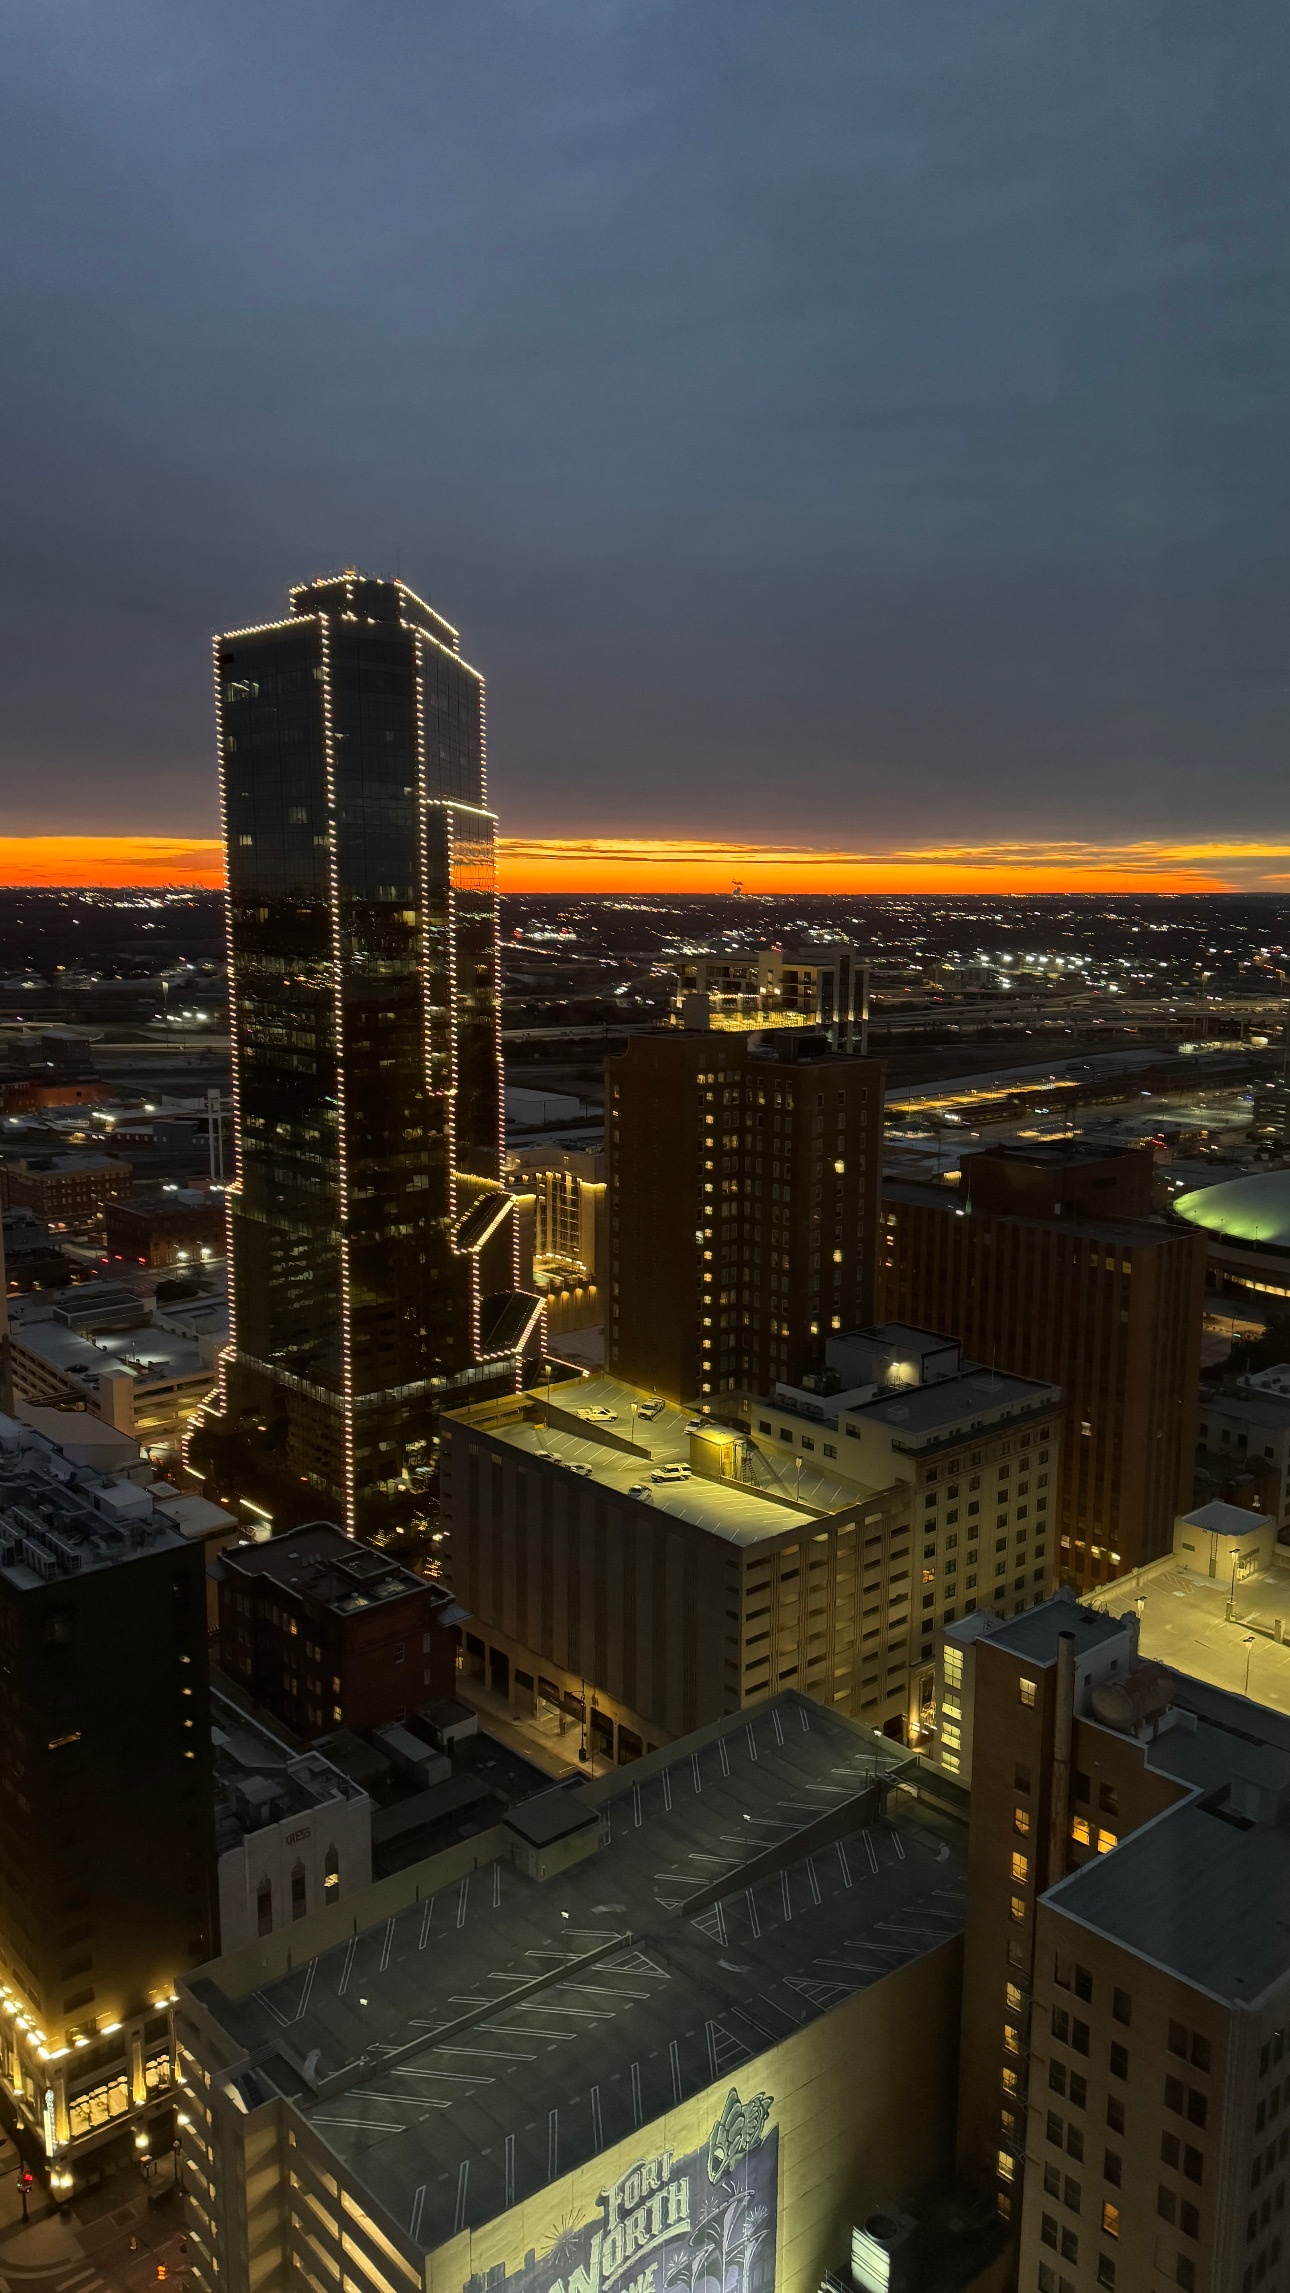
<point x="740" y="1513"/>
<point x="1184" y="1623"/>
<point x="1202" y="1888"/>
<point x="320" y="1563"/>
<point x="1035" y="1633"/>
<point x="971" y="1398"/>
<point x="1135" y="1233"/>
<point x="446" y="2108"/>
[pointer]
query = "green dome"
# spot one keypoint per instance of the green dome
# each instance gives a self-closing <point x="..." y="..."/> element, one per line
<point x="1254" y="1210"/>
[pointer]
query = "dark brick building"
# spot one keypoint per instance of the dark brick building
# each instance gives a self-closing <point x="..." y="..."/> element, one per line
<point x="327" y="1633"/>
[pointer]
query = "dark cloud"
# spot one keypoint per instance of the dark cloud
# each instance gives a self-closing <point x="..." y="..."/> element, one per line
<point x="860" y="419"/>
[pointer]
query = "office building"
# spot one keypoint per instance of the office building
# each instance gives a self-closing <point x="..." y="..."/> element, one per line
<point x="144" y="1369"/>
<point x="1107" y="1308"/>
<point x="323" y="1634"/>
<point x="821" y="983"/>
<point x="564" y="1223"/>
<point x="293" y="1834"/>
<point x="167" y="1226"/>
<point x="105" y="1804"/>
<point x="614" y="2038"/>
<point x="642" y="1573"/>
<point x="743" y="1190"/>
<point x="1244" y="1436"/>
<point x="69" y="1191"/>
<point x="971" y="1455"/>
<point x="1126" y="1967"/>
<point x="370" y="1234"/>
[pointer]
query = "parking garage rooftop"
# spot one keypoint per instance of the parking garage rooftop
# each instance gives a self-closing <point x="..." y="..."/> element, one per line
<point x="746" y="1882"/>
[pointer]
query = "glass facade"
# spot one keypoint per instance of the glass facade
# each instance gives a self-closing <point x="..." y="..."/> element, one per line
<point x="366" y="1039"/>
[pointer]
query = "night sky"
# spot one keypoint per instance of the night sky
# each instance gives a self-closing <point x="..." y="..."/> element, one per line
<point x="835" y="421"/>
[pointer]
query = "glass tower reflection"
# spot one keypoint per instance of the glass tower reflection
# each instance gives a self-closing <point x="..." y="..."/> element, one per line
<point x="372" y="1247"/>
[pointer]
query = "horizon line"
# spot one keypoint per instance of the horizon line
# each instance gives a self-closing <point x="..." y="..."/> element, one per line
<point x="646" y="865"/>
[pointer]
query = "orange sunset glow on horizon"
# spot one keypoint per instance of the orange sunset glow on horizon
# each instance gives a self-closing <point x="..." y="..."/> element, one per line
<point x="656" y="865"/>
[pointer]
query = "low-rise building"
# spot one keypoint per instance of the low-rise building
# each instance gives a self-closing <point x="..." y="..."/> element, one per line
<point x="171" y="1226"/>
<point x="613" y="2043"/>
<point x="325" y="1633"/>
<point x="292" y="1833"/>
<point x="138" y="1366"/>
<point x="69" y="1191"/>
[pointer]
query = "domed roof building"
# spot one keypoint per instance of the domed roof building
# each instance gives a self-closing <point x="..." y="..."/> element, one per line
<point x="1248" y="1220"/>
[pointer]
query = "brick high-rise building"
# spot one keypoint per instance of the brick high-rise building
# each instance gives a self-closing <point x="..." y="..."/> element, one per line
<point x="1107" y="1307"/>
<point x="1124" y="2079"/>
<point x="743" y="1187"/>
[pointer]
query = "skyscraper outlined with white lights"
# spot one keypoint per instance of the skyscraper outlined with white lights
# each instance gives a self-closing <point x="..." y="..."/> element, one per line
<point x="372" y="1246"/>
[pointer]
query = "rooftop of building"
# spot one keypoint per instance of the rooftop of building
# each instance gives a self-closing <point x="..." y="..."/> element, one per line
<point x="1201" y="1889"/>
<point x="1134" y="1233"/>
<point x="259" y="1779"/>
<point x="746" y="1884"/>
<point x="1053" y="1154"/>
<point x="149" y="1351"/>
<point x="1222" y="1632"/>
<point x="61" y="1519"/>
<point x="320" y="1564"/>
<point x="914" y="1383"/>
<point x="622" y="1449"/>
<point x="1254" y="1405"/>
<point x="1033" y="1636"/>
<point x="976" y="1398"/>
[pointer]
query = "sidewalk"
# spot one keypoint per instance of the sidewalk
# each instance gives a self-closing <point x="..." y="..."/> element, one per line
<point x="129" y="2249"/>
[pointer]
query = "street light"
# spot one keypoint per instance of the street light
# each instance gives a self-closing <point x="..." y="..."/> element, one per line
<point x="1249" y="1650"/>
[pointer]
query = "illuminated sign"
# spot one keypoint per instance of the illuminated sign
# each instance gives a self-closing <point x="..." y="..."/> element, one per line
<point x="669" y="2222"/>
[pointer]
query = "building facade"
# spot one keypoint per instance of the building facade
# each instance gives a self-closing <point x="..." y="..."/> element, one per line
<point x="1126" y="1972"/>
<point x="293" y="1835"/>
<point x="1109" y="1311"/>
<point x="743" y="1190"/>
<point x="105" y="1721"/>
<point x="562" y="1199"/>
<point x="325" y="1636"/>
<point x="371" y="1238"/>
<point x="641" y="1574"/>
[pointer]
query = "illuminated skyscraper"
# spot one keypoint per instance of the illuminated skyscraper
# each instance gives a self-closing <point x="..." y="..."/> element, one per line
<point x="371" y="1241"/>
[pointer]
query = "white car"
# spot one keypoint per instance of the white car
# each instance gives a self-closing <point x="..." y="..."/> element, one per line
<point x="671" y="1473"/>
<point x="584" y="1470"/>
<point x="598" y="1414"/>
<point x="653" y="1408"/>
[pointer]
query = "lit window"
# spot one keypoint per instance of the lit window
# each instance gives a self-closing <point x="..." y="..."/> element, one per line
<point x="953" y="1667"/>
<point x="1106" y="1840"/>
<point x="1007" y="2165"/>
<point x="1020" y="1868"/>
<point x="1021" y="1820"/>
<point x="1027" y="1691"/>
<point x="1080" y="1830"/>
<point x="1011" y="2038"/>
<point x="1110" y="2219"/>
<point x="1017" y="1907"/>
<point x="1013" y="1996"/>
